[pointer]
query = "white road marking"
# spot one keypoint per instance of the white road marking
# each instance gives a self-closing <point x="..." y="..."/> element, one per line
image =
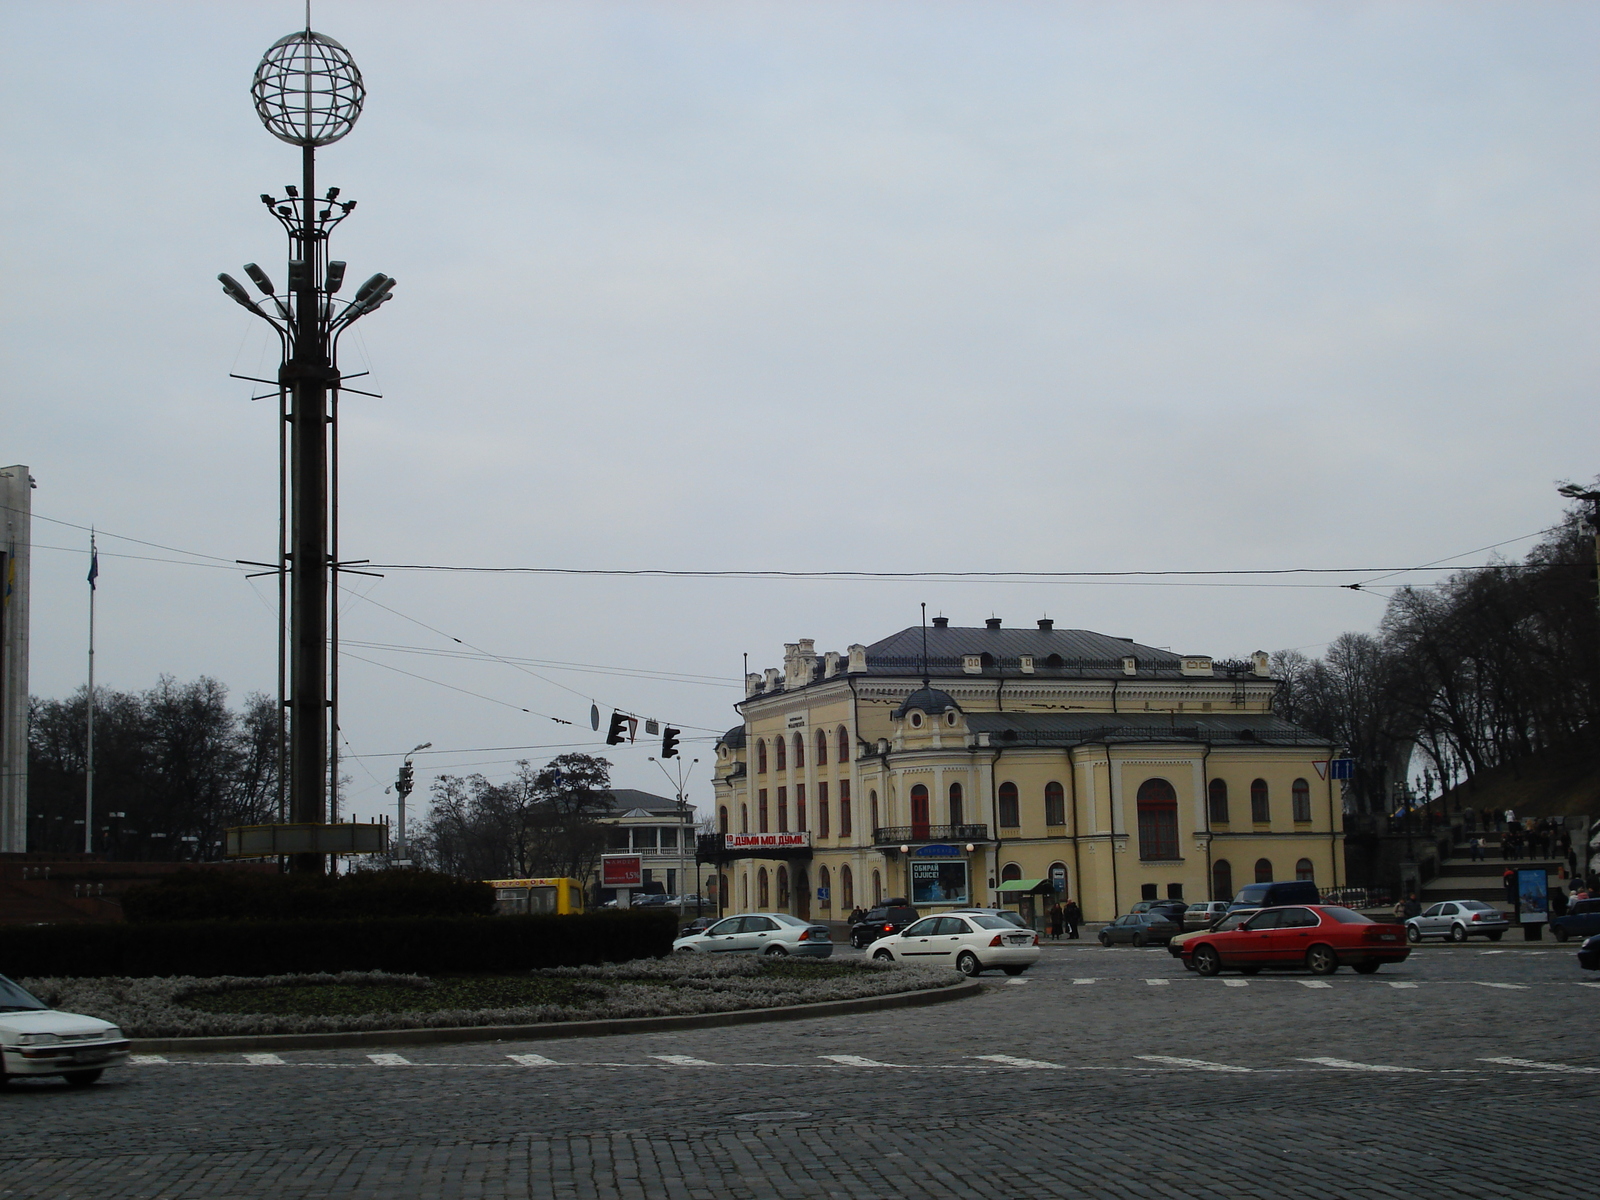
<point x="1158" y="982"/>
<point x="1318" y="983"/>
<point x="140" y="1060"/>
<point x="1544" y="1066"/>
<point x="1083" y="981"/>
<point x="1009" y="1061"/>
<point x="1493" y="952"/>
<point x="264" y="1060"/>
<point x="1513" y="987"/>
<point x="682" y="1060"/>
<point x="1595" y="985"/>
<point x="1199" y="1064"/>
<point x="533" y="1060"/>
<point x="1402" y="985"/>
<point x="1347" y="1065"/>
<point x="1016" y="981"/>
<point x="854" y="1060"/>
<point x="1235" y="983"/>
<point x="390" y="1060"/>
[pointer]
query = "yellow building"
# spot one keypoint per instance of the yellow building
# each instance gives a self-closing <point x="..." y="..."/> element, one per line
<point x="1001" y="763"/>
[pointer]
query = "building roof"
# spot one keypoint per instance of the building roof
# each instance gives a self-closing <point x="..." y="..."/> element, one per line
<point x="1074" y="729"/>
<point x="631" y="802"/>
<point x="930" y="700"/>
<point x="733" y="739"/>
<point x="1077" y="652"/>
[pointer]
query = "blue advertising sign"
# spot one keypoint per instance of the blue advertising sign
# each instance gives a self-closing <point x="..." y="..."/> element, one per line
<point x="1533" y="896"/>
<point x="939" y="883"/>
<point x="937" y="851"/>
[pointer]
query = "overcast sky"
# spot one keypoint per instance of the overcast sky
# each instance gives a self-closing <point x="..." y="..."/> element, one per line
<point x="806" y="286"/>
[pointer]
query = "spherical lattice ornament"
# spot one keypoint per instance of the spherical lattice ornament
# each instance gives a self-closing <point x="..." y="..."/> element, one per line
<point x="308" y="90"/>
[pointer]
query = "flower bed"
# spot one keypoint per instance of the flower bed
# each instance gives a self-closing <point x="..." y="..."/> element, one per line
<point x="184" y="1006"/>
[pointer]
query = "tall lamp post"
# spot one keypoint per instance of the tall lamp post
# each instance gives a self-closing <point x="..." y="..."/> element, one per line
<point x="308" y="92"/>
<point x="682" y="799"/>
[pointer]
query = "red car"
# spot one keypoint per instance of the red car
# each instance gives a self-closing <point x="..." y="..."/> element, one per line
<point x="1321" y="937"/>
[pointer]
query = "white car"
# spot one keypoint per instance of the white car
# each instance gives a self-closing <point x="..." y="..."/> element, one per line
<point x="760" y="933"/>
<point x="35" y="1039"/>
<point x="969" y="942"/>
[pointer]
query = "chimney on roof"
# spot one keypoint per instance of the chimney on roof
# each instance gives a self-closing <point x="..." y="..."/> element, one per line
<point x="941" y="622"/>
<point x="992" y="623"/>
<point x="1046" y="624"/>
<point x="830" y="664"/>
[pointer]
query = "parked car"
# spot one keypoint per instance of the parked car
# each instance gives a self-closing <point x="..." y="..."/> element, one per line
<point x="37" y="1040"/>
<point x="1140" y="928"/>
<point x="1458" y="920"/>
<point x="1321" y="937"/>
<point x="882" y="921"/>
<point x="1204" y="914"/>
<point x="1009" y="915"/>
<point x="698" y="925"/>
<point x="760" y="933"/>
<point x="969" y="942"/>
<point x="1227" y="921"/>
<point x="1272" y="895"/>
<point x="1589" y="954"/>
<point x="1173" y="908"/>
<point x="1581" y="920"/>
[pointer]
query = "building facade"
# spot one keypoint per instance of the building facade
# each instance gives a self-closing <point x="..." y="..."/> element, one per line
<point x="999" y="764"/>
<point x="660" y="832"/>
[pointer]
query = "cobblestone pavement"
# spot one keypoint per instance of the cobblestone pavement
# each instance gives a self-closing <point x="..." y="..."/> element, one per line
<point x="1107" y="1073"/>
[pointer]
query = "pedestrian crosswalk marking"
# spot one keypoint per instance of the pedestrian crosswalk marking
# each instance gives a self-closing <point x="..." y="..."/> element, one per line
<point x="533" y="1060"/>
<point x="1010" y="1061"/>
<point x="1083" y="981"/>
<point x="390" y="1060"/>
<point x="140" y="1060"/>
<point x="1016" y="981"/>
<point x="1402" y="985"/>
<point x="1198" y="1064"/>
<point x="683" y="1060"/>
<point x="1593" y="985"/>
<point x="1514" y="987"/>
<point x="264" y="1060"/>
<point x="1235" y="983"/>
<point x="1347" y="1065"/>
<point x="854" y="1060"/>
<point x="1315" y="983"/>
<point x="1544" y="1066"/>
<point x="1158" y="982"/>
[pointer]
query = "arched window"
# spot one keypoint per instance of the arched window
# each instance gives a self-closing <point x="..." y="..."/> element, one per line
<point x="1010" y="810"/>
<point x="761" y="756"/>
<point x="1221" y="880"/>
<point x="744" y="818"/>
<point x="1158" y="820"/>
<point x="1218" y="792"/>
<point x="1301" y="794"/>
<point x="800" y="807"/>
<point x="1055" y="804"/>
<point x="799" y="752"/>
<point x="781" y="747"/>
<point x="822" y="748"/>
<point x="844" y="808"/>
<point x="1260" y="805"/>
<point x="724" y="898"/>
<point x="877" y="889"/>
<point x="1053" y="661"/>
<point x="847" y="888"/>
<point x="844" y="745"/>
<point x="823" y="813"/>
<point x="783" y="887"/>
<point x="1009" y="872"/>
<point x="824" y="891"/>
<point x="783" y="810"/>
<point x="761" y="811"/>
<point x="744" y="891"/>
<point x="722" y="819"/>
<point x="1304" y="871"/>
<point x="872" y="802"/>
<point x="957" y="815"/>
<point x="1263" y="870"/>
<point x="763" y="895"/>
<point x="919" y="812"/>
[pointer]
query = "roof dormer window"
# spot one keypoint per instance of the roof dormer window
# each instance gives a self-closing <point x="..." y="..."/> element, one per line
<point x="916" y="720"/>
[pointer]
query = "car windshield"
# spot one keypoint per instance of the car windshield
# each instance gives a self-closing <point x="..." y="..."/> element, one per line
<point x="786" y="919"/>
<point x="991" y="923"/>
<point x="14" y="998"/>
<point x="1347" y="916"/>
<point x="1477" y="906"/>
<point x="1233" y="920"/>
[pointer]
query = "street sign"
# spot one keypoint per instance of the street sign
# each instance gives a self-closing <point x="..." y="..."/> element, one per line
<point x="1342" y="768"/>
<point x="621" y="870"/>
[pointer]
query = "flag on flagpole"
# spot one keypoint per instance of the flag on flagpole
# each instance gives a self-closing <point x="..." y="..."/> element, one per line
<point x="94" y="564"/>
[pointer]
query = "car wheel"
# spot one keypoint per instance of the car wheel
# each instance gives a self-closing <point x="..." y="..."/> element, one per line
<point x="1322" y="960"/>
<point x="1458" y="933"/>
<point x="1413" y="934"/>
<point x="83" y="1078"/>
<point x="1207" y="961"/>
<point x="1249" y="970"/>
<point x="1013" y="970"/>
<point x="777" y="951"/>
<point x="1496" y="935"/>
<point x="1139" y="939"/>
<point x="1366" y="968"/>
<point x="684" y="950"/>
<point x="883" y="956"/>
<point x="968" y="964"/>
<point x="1105" y="941"/>
<point x="1560" y="933"/>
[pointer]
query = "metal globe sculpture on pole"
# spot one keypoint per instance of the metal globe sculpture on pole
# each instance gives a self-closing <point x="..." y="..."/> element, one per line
<point x="308" y="92"/>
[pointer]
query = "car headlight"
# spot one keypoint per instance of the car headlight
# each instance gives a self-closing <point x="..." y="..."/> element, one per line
<point x="38" y="1039"/>
<point x="112" y="1034"/>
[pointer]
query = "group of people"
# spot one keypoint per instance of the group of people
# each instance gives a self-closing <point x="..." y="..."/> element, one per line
<point x="1065" y="919"/>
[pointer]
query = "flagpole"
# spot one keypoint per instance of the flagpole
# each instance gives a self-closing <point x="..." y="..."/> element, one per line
<point x="88" y="766"/>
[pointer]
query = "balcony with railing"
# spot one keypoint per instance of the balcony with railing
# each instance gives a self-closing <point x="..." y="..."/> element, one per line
<point x="897" y="835"/>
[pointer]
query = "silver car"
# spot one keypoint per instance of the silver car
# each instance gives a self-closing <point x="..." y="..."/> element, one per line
<point x="1203" y="914"/>
<point x="776" y="934"/>
<point x="1458" y="920"/>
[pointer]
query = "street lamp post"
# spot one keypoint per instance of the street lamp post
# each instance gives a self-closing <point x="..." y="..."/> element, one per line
<point x="682" y="799"/>
<point x="308" y="92"/>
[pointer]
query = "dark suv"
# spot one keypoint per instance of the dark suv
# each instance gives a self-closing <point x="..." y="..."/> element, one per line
<point x="881" y="921"/>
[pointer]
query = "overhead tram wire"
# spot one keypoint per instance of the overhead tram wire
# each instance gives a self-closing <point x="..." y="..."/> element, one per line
<point x="1435" y="564"/>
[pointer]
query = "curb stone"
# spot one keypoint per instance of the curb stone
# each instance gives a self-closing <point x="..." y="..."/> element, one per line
<point x="557" y="1029"/>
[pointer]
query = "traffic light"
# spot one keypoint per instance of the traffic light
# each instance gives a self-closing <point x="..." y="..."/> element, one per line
<point x="669" y="742"/>
<point x="619" y="729"/>
<point x="404" y="784"/>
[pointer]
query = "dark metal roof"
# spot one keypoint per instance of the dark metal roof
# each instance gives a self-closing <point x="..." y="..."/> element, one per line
<point x="1073" y="729"/>
<point x="930" y="700"/>
<point x="733" y="739"/>
<point x="1077" y="652"/>
<point x="628" y="799"/>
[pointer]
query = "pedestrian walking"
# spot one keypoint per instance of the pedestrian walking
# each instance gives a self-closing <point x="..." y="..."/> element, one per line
<point x="1477" y="849"/>
<point x="1509" y="881"/>
<point x="1071" y="918"/>
<point x="1056" y="921"/>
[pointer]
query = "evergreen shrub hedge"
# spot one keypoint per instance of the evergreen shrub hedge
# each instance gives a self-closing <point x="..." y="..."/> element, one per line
<point x="417" y="945"/>
<point x="252" y="896"/>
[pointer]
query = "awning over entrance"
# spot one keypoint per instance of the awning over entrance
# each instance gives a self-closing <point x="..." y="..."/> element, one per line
<point x="1026" y="885"/>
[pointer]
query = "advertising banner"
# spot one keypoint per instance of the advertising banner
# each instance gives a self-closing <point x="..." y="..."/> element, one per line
<point x="621" y="871"/>
<point x="1533" y="896"/>
<point x="939" y="883"/>
<point x="766" y="841"/>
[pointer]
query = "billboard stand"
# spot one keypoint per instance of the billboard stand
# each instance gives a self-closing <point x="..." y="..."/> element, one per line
<point x="1533" y="902"/>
